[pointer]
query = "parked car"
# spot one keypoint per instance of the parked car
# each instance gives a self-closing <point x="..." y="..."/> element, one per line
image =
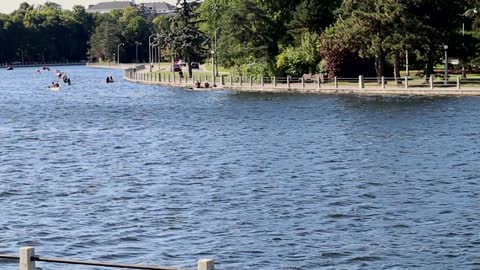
<point x="176" y="68"/>
<point x="195" y="65"/>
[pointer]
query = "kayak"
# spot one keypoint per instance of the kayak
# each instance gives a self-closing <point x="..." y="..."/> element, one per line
<point x="56" y="89"/>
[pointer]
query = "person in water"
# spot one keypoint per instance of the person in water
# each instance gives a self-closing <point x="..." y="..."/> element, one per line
<point x="111" y="79"/>
<point x="207" y="85"/>
<point x="107" y="80"/>
<point x="198" y="84"/>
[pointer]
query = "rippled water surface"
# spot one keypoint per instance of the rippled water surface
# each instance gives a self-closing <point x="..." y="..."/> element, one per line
<point x="145" y="174"/>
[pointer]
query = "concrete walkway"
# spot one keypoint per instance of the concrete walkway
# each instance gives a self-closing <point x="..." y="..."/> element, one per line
<point x="303" y="87"/>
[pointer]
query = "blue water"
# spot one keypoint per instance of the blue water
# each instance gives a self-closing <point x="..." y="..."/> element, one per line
<point x="161" y="176"/>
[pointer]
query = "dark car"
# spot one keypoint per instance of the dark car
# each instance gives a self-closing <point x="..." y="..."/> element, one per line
<point x="195" y="65"/>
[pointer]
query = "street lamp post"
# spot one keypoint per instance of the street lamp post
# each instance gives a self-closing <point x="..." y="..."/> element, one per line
<point x="464" y="75"/>
<point x="118" y="52"/>
<point x="21" y="51"/>
<point x="407" y="71"/>
<point x="150" y="50"/>
<point x="215" y="66"/>
<point x="445" y="47"/>
<point x="136" y="51"/>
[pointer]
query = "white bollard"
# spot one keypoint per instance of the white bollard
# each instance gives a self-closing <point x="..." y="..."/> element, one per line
<point x="383" y="82"/>
<point x="431" y="81"/>
<point x="361" y="84"/>
<point x="458" y="82"/>
<point x="336" y="82"/>
<point x="206" y="264"/>
<point x="406" y="83"/>
<point x="26" y="253"/>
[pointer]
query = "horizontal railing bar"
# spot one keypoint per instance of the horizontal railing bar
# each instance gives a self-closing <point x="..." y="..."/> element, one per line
<point x="9" y="257"/>
<point x="103" y="264"/>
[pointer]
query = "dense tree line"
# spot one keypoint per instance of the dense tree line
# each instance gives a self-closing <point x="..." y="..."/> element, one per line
<point x="345" y="38"/>
<point x="44" y="33"/>
<point x="258" y="37"/>
<point x="48" y="33"/>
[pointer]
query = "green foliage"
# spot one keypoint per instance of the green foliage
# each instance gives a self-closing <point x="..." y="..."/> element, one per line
<point x="255" y="37"/>
<point x="183" y="35"/>
<point x="301" y="59"/>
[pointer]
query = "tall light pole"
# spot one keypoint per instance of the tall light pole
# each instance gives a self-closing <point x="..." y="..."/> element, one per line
<point x="446" y="64"/>
<point x="136" y="51"/>
<point x="150" y="49"/>
<point x="21" y="51"/>
<point x="215" y="51"/>
<point x="407" y="71"/>
<point x="118" y="52"/>
<point x="463" y="45"/>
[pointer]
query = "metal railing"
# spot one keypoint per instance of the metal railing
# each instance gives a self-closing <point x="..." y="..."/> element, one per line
<point x="360" y="85"/>
<point x="27" y="260"/>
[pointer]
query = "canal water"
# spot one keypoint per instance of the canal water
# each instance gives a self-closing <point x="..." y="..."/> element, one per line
<point x="161" y="176"/>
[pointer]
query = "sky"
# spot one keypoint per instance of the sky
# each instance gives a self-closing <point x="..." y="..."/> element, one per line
<point x="7" y="6"/>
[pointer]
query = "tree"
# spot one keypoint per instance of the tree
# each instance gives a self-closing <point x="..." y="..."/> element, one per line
<point x="313" y="16"/>
<point x="302" y="58"/>
<point x="184" y="36"/>
<point x="104" y="41"/>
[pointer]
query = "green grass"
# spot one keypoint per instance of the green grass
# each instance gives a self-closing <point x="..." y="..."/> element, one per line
<point x="208" y="67"/>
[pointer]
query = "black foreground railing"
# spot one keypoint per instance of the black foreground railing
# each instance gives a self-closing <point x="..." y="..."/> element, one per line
<point x="27" y="261"/>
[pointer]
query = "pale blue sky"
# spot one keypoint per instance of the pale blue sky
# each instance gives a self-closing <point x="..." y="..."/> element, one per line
<point x="7" y="6"/>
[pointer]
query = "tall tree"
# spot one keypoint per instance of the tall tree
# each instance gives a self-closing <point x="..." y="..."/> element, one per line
<point x="184" y="36"/>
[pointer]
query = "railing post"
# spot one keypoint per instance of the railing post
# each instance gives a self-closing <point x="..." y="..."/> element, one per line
<point x="262" y="81"/>
<point x="241" y="80"/>
<point x="288" y="82"/>
<point x="26" y="254"/>
<point x="383" y="82"/>
<point x="361" y="85"/>
<point x="206" y="264"/>
<point x="431" y="81"/>
<point x="251" y="81"/>
<point x="231" y="79"/>
<point x="193" y="79"/>
<point x="274" y="82"/>
<point x="319" y="83"/>
<point x="214" y="79"/>
<point x="336" y="82"/>
<point x="458" y="82"/>
<point x="406" y="83"/>
<point x="169" y="79"/>
<point x="222" y="80"/>
<point x="303" y="82"/>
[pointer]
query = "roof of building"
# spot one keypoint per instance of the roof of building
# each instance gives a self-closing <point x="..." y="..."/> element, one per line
<point x="159" y="5"/>
<point x="111" y="5"/>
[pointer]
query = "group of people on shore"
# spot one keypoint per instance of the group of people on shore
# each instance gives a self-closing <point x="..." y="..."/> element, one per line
<point x="204" y="85"/>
